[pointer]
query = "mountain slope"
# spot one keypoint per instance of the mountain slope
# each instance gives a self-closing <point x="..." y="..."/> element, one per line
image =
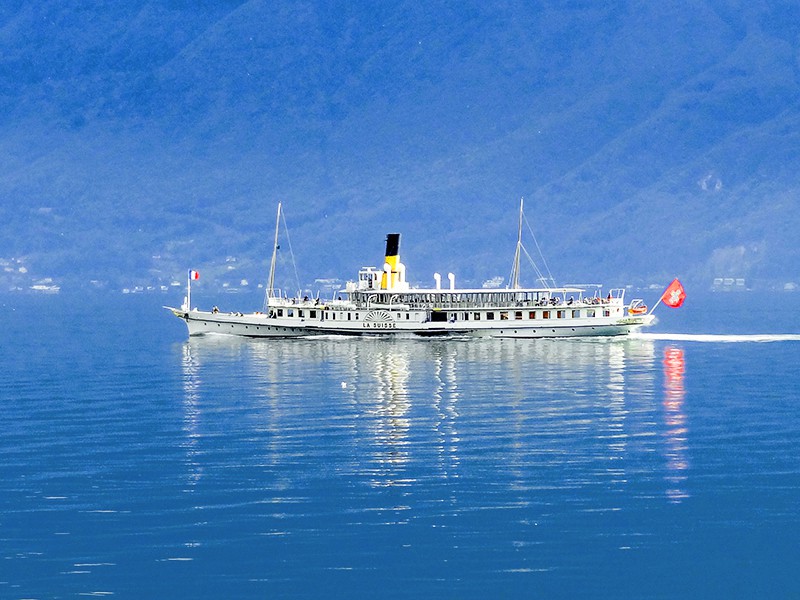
<point x="648" y="140"/>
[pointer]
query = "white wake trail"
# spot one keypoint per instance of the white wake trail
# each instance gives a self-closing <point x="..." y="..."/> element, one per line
<point x="723" y="338"/>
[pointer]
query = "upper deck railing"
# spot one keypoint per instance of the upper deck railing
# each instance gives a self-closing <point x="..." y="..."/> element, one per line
<point x="483" y="299"/>
<point x="461" y="299"/>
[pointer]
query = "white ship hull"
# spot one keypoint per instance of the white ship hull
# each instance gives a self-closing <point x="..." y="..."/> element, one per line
<point x="261" y="325"/>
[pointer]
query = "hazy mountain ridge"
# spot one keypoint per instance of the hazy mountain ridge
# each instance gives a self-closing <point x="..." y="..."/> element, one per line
<point x="648" y="140"/>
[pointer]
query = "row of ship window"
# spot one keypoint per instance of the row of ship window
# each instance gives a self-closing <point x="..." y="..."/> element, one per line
<point x="465" y="316"/>
<point x="312" y="314"/>
<point x="534" y="314"/>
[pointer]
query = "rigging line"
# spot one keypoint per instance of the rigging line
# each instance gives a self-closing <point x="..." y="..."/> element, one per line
<point x="541" y="276"/>
<point x="544" y="261"/>
<point x="291" y="253"/>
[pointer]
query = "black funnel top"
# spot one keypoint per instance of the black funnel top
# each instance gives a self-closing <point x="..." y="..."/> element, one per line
<point x="392" y="244"/>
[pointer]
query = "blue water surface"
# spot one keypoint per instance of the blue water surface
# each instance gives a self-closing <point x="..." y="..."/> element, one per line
<point x="138" y="463"/>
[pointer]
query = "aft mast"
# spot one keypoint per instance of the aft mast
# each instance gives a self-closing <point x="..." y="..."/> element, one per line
<point x="515" y="268"/>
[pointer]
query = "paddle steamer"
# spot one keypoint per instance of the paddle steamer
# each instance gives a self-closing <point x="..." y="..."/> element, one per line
<point x="381" y="302"/>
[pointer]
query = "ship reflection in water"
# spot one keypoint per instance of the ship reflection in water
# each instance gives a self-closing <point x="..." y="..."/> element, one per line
<point x="191" y="396"/>
<point x="676" y="432"/>
<point x="537" y="416"/>
<point x="386" y="405"/>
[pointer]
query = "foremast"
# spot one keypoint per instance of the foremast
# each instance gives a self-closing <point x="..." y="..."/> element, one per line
<point x="271" y="279"/>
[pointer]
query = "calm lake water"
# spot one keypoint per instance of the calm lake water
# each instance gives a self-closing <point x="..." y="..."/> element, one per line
<point x="137" y="463"/>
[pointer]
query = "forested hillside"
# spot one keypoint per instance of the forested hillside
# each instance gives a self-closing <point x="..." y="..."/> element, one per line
<point x="649" y="139"/>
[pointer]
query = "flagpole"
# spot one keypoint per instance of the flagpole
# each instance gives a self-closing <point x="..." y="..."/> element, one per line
<point x="656" y="304"/>
<point x="188" y="290"/>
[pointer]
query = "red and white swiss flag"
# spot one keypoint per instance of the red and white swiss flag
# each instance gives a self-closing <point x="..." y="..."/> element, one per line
<point x="194" y="274"/>
<point x="674" y="295"/>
